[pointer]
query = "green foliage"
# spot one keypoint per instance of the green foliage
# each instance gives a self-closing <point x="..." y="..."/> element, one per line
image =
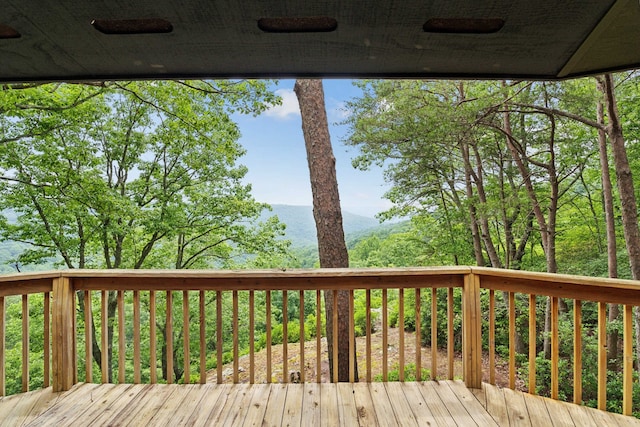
<point x="132" y="175"/>
<point x="409" y="374"/>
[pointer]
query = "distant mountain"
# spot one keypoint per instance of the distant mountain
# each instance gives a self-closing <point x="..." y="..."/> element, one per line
<point x="301" y="228"/>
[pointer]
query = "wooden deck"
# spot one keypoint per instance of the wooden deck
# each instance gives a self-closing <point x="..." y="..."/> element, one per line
<point x="443" y="403"/>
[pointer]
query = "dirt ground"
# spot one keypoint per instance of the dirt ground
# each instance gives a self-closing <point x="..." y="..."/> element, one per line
<point x="293" y="350"/>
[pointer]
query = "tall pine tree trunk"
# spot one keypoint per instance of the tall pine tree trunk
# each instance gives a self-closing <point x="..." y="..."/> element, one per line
<point x="326" y="212"/>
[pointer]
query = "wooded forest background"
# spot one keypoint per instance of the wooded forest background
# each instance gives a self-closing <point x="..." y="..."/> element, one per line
<point x="506" y="174"/>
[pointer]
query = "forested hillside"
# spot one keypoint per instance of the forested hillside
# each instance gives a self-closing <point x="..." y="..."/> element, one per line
<point x="301" y="229"/>
<point x="540" y="176"/>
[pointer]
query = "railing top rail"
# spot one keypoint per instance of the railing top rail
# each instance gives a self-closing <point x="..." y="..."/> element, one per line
<point x="268" y="279"/>
<point x="618" y="291"/>
<point x="26" y="283"/>
<point x="560" y="285"/>
<point x="13" y="277"/>
<point x="276" y="273"/>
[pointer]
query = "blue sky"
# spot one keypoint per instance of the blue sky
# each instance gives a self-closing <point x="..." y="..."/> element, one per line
<point x="277" y="160"/>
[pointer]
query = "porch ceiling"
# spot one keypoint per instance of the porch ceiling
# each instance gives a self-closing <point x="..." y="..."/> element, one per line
<point x="42" y="40"/>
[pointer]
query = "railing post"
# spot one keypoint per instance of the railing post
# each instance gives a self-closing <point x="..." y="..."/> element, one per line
<point x="63" y="328"/>
<point x="471" y="331"/>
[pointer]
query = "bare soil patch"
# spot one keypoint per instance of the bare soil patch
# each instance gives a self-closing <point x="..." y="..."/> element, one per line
<point x="393" y="353"/>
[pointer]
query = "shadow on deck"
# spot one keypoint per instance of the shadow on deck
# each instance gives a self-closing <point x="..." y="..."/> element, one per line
<point x="443" y="403"/>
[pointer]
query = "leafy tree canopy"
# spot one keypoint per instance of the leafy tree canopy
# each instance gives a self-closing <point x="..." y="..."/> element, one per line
<point x="131" y="174"/>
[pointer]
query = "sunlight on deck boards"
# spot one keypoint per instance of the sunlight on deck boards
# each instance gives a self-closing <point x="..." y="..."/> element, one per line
<point x="443" y="403"/>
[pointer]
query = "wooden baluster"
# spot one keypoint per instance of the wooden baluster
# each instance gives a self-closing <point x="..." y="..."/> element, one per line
<point x="153" y="375"/>
<point x="302" y="366"/>
<point x="434" y="333"/>
<point x="186" y="343"/>
<point x="236" y="352"/>
<point x="334" y="323"/>
<point x="602" y="356"/>
<point x="577" y="352"/>
<point x="450" y="331"/>
<point x="121" y="338"/>
<point x="418" y="337"/>
<point x="532" y="344"/>
<point x="368" y="334"/>
<point x="252" y="350"/>
<point x="25" y="343"/>
<point x="385" y="333"/>
<point x="169" y="337"/>
<point x="401" y="334"/>
<point x="555" y="347"/>
<point x="492" y="337"/>
<point x="47" y="340"/>
<point x="285" y="337"/>
<point x="352" y="339"/>
<point x="203" y="338"/>
<point x="318" y="336"/>
<point x="219" y="337"/>
<point x="104" y="328"/>
<point x="627" y="364"/>
<point x="268" y="327"/>
<point x="512" y="340"/>
<point x="136" y="338"/>
<point x="3" y="346"/>
<point x="88" y="338"/>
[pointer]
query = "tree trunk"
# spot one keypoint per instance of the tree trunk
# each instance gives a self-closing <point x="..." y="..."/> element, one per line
<point x="473" y="217"/>
<point x="607" y="196"/>
<point x="624" y="179"/>
<point x="625" y="188"/>
<point x="332" y="249"/>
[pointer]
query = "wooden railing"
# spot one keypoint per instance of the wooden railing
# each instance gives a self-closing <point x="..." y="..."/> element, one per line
<point x="135" y="310"/>
<point x="574" y="293"/>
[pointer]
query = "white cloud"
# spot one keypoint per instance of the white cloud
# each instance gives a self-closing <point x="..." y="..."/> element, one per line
<point x="338" y="112"/>
<point x="289" y="107"/>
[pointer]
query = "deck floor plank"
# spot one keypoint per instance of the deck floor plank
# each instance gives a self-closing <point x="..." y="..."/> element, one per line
<point x="517" y="408"/>
<point x="73" y="406"/>
<point x="470" y="402"/>
<point x="436" y="405"/>
<point x="292" y="412"/>
<point x="452" y="403"/>
<point x="609" y="419"/>
<point x="382" y="405"/>
<point x="49" y="406"/>
<point x="539" y="413"/>
<point x="479" y="394"/>
<point x="347" y="404"/>
<point x="258" y="405"/>
<point x="558" y="412"/>
<point x="20" y="409"/>
<point x="311" y="404"/>
<point x="275" y="405"/>
<point x="172" y="404"/>
<point x="233" y="411"/>
<point x="329" y="405"/>
<point x="212" y="394"/>
<point x="101" y="413"/>
<point x="400" y="405"/>
<point x="364" y="405"/>
<point x="496" y="404"/>
<point x="130" y="410"/>
<point x="419" y="406"/>
<point x="191" y="403"/>
<point x="579" y="416"/>
<point x="444" y="403"/>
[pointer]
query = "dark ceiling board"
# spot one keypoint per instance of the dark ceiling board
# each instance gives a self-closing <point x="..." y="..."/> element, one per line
<point x="543" y="40"/>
